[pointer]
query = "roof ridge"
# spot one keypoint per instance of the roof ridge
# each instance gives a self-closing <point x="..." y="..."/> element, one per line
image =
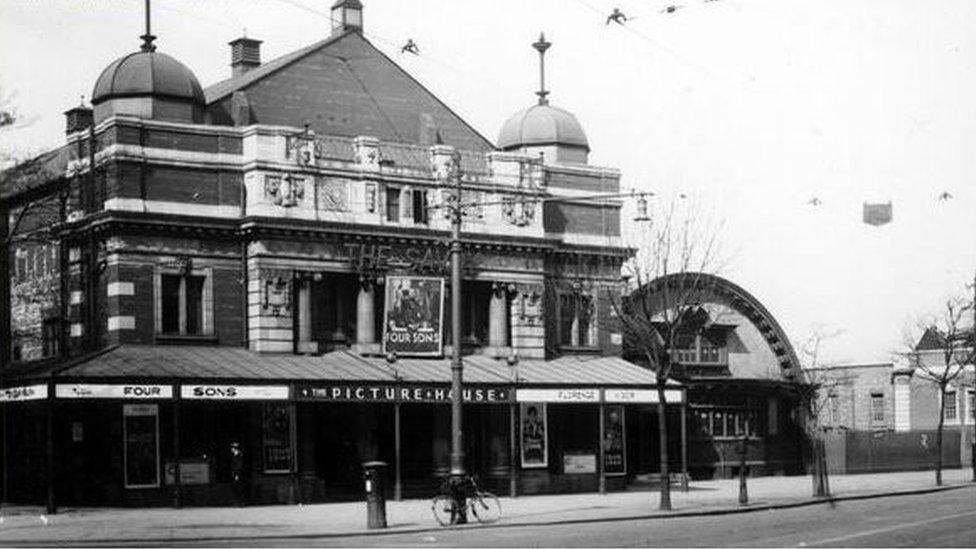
<point x="235" y="83"/>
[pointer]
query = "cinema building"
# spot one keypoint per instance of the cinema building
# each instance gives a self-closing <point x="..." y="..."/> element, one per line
<point x="201" y="266"/>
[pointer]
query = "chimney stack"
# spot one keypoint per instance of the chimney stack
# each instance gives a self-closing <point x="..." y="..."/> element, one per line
<point x="347" y="16"/>
<point x="245" y="54"/>
<point x="77" y="119"/>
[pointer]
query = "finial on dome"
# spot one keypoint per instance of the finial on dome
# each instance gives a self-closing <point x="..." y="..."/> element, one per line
<point x="541" y="46"/>
<point x="147" y="39"/>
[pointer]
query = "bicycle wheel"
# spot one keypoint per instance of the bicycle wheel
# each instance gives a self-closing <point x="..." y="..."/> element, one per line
<point x="442" y="509"/>
<point x="485" y="507"/>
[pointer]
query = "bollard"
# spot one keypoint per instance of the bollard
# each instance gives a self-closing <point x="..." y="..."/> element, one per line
<point x="374" y="475"/>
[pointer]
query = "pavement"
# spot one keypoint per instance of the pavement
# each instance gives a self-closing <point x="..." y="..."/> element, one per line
<point x="23" y="525"/>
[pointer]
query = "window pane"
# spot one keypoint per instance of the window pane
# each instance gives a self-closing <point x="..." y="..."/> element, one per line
<point x="567" y="313"/>
<point x="585" y="313"/>
<point x="877" y="408"/>
<point x="392" y="204"/>
<point x="194" y="305"/>
<point x="950" y="405"/>
<point x="718" y="424"/>
<point x="170" y="304"/>
<point x="420" y="207"/>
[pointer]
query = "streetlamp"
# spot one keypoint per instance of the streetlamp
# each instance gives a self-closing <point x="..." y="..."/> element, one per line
<point x="451" y="177"/>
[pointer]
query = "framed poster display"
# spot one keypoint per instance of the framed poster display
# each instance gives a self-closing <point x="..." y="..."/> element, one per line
<point x="413" y="316"/>
<point x="614" y="441"/>
<point x="140" y="433"/>
<point x="279" y="450"/>
<point x="533" y="435"/>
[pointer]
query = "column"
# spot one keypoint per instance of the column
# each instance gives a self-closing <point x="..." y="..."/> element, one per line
<point x="498" y="323"/>
<point x="397" y="457"/>
<point x="601" y="450"/>
<point x="366" y="320"/>
<point x="305" y="343"/>
<point x="498" y="441"/>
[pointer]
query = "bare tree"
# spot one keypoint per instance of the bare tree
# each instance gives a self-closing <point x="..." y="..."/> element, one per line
<point x="940" y="349"/>
<point x="668" y="279"/>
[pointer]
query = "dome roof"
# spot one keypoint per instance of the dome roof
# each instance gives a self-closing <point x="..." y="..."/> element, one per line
<point x="542" y="124"/>
<point x="148" y="73"/>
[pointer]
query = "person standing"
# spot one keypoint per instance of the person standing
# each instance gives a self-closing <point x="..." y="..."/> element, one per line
<point x="237" y="474"/>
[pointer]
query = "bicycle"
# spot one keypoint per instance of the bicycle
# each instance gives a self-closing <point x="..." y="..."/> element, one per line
<point x="484" y="506"/>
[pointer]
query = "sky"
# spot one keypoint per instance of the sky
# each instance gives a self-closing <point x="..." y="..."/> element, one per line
<point x="751" y="108"/>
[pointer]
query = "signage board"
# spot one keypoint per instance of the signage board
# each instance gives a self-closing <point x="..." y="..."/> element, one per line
<point x="641" y="396"/>
<point x="558" y="395"/>
<point x="26" y="392"/>
<point x="402" y="393"/>
<point x="579" y="464"/>
<point x="234" y="392"/>
<point x="192" y="472"/>
<point x="128" y="391"/>
<point x="413" y="316"/>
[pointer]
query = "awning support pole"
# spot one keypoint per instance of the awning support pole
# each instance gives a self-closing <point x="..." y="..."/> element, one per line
<point x="513" y="459"/>
<point x="398" y="480"/>
<point x="602" y="449"/>
<point x="684" y="442"/>
<point x="51" y="503"/>
<point x="177" y="480"/>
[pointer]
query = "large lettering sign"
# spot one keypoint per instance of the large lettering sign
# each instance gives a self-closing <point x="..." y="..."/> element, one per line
<point x="135" y="391"/>
<point x="413" y="316"/>
<point x="558" y="395"/>
<point x="235" y="392"/>
<point x="402" y="393"/>
<point x="27" y="392"/>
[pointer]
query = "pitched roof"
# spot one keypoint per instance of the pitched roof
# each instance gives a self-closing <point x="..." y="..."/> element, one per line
<point x="148" y="362"/>
<point x="35" y="172"/>
<point x="344" y="85"/>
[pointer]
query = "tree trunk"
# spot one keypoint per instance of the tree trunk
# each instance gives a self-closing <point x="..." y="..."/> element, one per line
<point x="662" y="424"/>
<point x="938" y="439"/>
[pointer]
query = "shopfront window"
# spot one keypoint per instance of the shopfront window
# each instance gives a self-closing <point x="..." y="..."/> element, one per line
<point x="729" y="417"/>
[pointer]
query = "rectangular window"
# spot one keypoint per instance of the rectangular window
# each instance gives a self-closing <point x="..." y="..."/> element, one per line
<point x="194" y="304"/>
<point x="50" y="336"/>
<point x="877" y="408"/>
<point x="171" y="303"/>
<point x="420" y="207"/>
<point x="140" y="432"/>
<point x="576" y="322"/>
<point x="834" y="409"/>
<point x="183" y="304"/>
<point x="567" y="316"/>
<point x="950" y="406"/>
<point x="393" y="204"/>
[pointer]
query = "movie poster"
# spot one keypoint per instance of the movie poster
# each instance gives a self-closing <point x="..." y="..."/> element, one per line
<point x="533" y="433"/>
<point x="413" y="316"/>
<point x="279" y="452"/>
<point x="614" y="443"/>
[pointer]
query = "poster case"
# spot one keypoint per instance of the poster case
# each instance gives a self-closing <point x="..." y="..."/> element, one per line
<point x="140" y="433"/>
<point x="413" y="316"/>
<point x="533" y="435"/>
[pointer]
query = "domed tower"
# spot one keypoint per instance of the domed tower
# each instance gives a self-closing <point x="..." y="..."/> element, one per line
<point x="148" y="84"/>
<point x="542" y="128"/>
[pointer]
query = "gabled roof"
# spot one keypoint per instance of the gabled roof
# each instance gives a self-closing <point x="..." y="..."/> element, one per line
<point x="34" y="173"/>
<point x="345" y="86"/>
<point x="935" y="340"/>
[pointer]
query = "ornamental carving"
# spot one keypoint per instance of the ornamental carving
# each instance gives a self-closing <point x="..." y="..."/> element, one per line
<point x="275" y="293"/>
<point x="287" y="191"/>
